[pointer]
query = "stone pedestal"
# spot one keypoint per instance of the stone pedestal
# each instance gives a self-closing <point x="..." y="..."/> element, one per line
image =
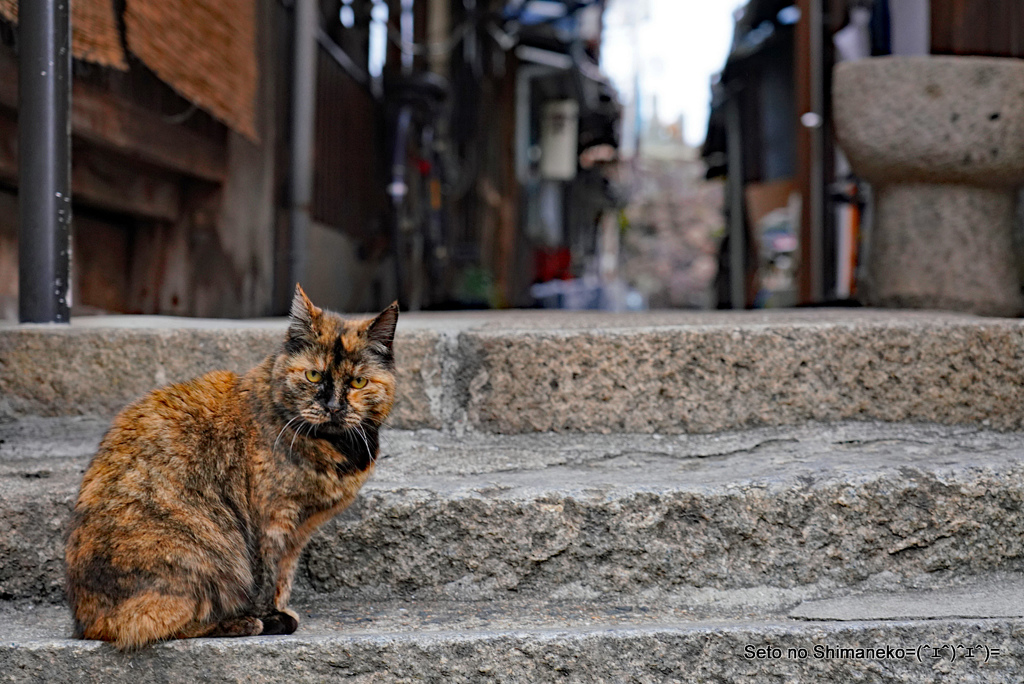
<point x="941" y="139"/>
<point x="944" y="247"/>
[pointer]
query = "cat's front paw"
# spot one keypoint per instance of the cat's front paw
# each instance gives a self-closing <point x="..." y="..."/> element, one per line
<point x="235" y="627"/>
<point x="280" y="622"/>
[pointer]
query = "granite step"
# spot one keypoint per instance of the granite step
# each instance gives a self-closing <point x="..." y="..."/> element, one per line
<point x="523" y="372"/>
<point x="967" y="629"/>
<point x="583" y="517"/>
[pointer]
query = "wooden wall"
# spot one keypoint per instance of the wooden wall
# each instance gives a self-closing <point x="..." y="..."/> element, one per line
<point x="978" y="27"/>
<point x="173" y="213"/>
<point x="348" y="182"/>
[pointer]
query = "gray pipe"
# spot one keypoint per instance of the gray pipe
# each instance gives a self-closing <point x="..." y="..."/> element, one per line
<point x="737" y="232"/>
<point x="303" y="112"/>
<point x="816" y="250"/>
<point x="408" y="33"/>
<point x="44" y="144"/>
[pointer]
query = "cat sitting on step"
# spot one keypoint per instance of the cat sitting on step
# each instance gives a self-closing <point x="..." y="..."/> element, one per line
<point x="192" y="515"/>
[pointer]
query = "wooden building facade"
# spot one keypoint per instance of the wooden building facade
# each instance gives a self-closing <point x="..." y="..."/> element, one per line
<point x="778" y="76"/>
<point x="181" y="124"/>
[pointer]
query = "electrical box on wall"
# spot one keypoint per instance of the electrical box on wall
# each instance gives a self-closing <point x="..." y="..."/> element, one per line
<point x="559" y="133"/>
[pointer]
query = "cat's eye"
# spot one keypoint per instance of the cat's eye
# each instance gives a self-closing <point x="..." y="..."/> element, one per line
<point x="314" y="376"/>
<point x="358" y="383"/>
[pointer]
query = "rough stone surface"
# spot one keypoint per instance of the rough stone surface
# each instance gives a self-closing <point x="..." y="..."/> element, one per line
<point x="583" y="372"/>
<point x="939" y="138"/>
<point x="706" y="379"/>
<point x="932" y="119"/>
<point x="92" y="370"/>
<point x="944" y="246"/>
<point x="530" y="643"/>
<point x="646" y="554"/>
<point x="632" y="515"/>
<point x="581" y="516"/>
<point x="975" y="597"/>
<point x="418" y="363"/>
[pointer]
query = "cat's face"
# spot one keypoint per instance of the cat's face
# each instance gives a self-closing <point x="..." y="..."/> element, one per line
<point x="334" y="373"/>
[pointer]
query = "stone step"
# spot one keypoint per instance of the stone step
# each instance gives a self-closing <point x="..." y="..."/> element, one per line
<point x="965" y="630"/>
<point x="581" y="516"/>
<point x="516" y="372"/>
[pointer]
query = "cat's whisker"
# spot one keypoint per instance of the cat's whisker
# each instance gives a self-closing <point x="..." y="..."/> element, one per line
<point x="296" y="434"/>
<point x="357" y="431"/>
<point x="373" y="456"/>
<point x="295" y="418"/>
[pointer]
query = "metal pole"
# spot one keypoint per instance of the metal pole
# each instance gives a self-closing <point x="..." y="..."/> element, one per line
<point x="817" y="233"/>
<point x="44" y="144"/>
<point x="303" y="130"/>
<point x="398" y="189"/>
<point x="406" y="29"/>
<point x="737" y="234"/>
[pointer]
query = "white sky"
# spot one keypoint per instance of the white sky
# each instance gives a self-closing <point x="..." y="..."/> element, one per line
<point x="679" y="45"/>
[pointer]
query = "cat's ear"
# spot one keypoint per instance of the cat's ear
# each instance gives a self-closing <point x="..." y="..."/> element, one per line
<point x="382" y="328"/>
<point x="300" y="320"/>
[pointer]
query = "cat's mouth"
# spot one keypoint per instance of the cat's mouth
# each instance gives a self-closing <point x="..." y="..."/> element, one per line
<point x="331" y="420"/>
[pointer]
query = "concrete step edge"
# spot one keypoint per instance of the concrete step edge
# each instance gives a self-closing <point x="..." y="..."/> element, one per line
<point x="678" y="373"/>
<point x="576" y="516"/>
<point x="754" y="649"/>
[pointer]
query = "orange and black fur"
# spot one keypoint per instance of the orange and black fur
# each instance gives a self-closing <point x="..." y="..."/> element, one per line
<point x="193" y="513"/>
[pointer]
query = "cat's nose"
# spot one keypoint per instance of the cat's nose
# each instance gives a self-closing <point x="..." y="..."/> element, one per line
<point x="334" y="405"/>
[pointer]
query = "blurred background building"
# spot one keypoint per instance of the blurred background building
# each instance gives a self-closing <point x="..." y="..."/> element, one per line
<point x="616" y="154"/>
<point x="799" y="221"/>
<point x="443" y="145"/>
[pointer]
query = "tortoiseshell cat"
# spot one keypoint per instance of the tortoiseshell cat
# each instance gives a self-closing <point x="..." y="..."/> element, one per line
<point x="194" y="511"/>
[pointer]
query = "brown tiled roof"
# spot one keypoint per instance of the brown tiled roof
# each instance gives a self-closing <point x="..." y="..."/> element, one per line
<point x="94" y="35"/>
<point x="204" y="49"/>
